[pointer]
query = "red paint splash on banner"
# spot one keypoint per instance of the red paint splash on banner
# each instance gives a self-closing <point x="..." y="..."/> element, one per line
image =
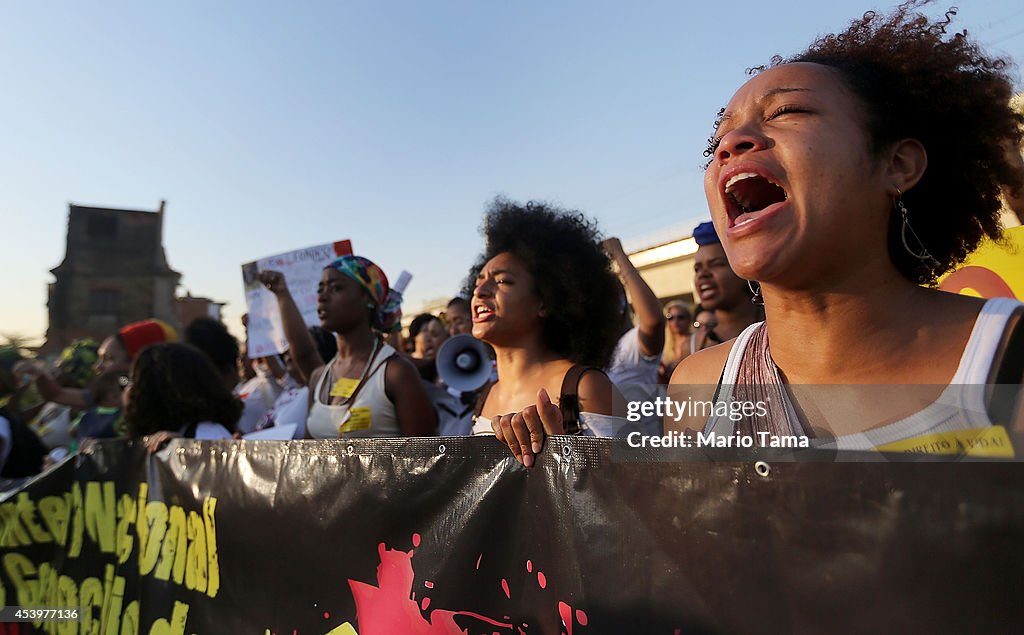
<point x="391" y="606"/>
<point x="566" y="613"/>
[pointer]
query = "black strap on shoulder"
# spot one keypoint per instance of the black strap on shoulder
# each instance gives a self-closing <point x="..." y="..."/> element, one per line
<point x="569" y="399"/>
<point x="190" y="430"/>
<point x="718" y="388"/>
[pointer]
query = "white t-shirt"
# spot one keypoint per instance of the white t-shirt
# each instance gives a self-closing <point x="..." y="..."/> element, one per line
<point x="258" y="396"/>
<point x="208" y="431"/>
<point x="292" y="407"/>
<point x="591" y="424"/>
<point x="629" y="365"/>
<point x="636" y="376"/>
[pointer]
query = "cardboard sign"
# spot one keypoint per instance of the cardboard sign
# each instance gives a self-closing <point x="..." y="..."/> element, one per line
<point x="301" y="269"/>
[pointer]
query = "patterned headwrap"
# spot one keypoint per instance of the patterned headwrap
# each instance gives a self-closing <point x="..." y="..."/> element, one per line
<point x="138" y="335"/>
<point x="388" y="310"/>
<point x="77" y="360"/>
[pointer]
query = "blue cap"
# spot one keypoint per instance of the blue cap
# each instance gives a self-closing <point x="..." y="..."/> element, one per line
<point x="705" y="234"/>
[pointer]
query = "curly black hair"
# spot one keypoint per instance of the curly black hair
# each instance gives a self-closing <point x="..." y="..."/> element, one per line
<point x="420" y="322"/>
<point x="174" y="385"/>
<point x="212" y="337"/>
<point x="571" y="271"/>
<point x="916" y="81"/>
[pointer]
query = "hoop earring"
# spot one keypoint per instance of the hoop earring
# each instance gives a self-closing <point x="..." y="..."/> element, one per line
<point x="928" y="262"/>
<point x="758" y="299"/>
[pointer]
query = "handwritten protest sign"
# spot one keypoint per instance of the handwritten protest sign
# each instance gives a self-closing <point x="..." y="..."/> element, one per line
<point x="301" y="269"/>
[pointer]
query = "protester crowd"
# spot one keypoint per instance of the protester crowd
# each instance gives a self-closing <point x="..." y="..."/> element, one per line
<point x="841" y="182"/>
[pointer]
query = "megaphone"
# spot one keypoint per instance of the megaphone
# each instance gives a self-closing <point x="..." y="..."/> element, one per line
<point x="463" y="363"/>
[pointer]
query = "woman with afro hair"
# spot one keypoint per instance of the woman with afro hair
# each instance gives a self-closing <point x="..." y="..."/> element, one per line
<point x="845" y="180"/>
<point x="545" y="298"/>
<point x="175" y="391"/>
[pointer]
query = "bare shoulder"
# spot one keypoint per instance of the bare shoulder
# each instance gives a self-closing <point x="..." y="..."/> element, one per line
<point x="314" y="377"/>
<point x="594" y="380"/>
<point x="954" y="307"/>
<point x="696" y="379"/>
<point x="399" y="372"/>
<point x="703" y="367"/>
<point x="596" y="393"/>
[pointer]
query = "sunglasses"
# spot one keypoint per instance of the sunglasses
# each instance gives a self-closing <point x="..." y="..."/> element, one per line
<point x="710" y="324"/>
<point x="672" y="318"/>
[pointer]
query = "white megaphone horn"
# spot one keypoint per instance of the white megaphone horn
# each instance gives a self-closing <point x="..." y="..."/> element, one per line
<point x="463" y="363"/>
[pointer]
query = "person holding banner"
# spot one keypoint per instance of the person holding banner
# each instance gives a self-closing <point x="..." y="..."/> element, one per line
<point x="175" y="391"/>
<point x="366" y="390"/>
<point x="845" y="180"/>
<point x="546" y="300"/>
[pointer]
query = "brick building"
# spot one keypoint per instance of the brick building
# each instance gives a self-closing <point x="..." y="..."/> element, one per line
<point x="114" y="272"/>
<point x="189" y="307"/>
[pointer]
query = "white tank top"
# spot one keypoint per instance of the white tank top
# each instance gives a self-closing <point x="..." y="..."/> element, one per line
<point x="371" y="414"/>
<point x="592" y="424"/>
<point x="961" y="404"/>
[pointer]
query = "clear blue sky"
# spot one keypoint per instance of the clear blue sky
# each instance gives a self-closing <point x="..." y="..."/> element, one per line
<point x="270" y="126"/>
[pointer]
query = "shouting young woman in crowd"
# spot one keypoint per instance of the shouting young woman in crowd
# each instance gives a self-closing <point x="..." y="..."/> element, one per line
<point x="845" y="180"/>
<point x="546" y="300"/>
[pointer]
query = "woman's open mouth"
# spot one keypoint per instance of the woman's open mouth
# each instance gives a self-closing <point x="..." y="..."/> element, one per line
<point x="482" y="314"/>
<point x="706" y="290"/>
<point x="750" y="193"/>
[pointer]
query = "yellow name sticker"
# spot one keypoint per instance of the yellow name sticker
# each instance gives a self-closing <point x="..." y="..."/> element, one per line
<point x="990" y="442"/>
<point x="358" y="419"/>
<point x="344" y="387"/>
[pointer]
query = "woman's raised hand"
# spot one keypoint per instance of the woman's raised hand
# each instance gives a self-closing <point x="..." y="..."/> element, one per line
<point x="524" y="431"/>
<point x="274" y="281"/>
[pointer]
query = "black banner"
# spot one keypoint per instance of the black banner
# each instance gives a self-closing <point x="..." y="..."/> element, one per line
<point x="451" y="535"/>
